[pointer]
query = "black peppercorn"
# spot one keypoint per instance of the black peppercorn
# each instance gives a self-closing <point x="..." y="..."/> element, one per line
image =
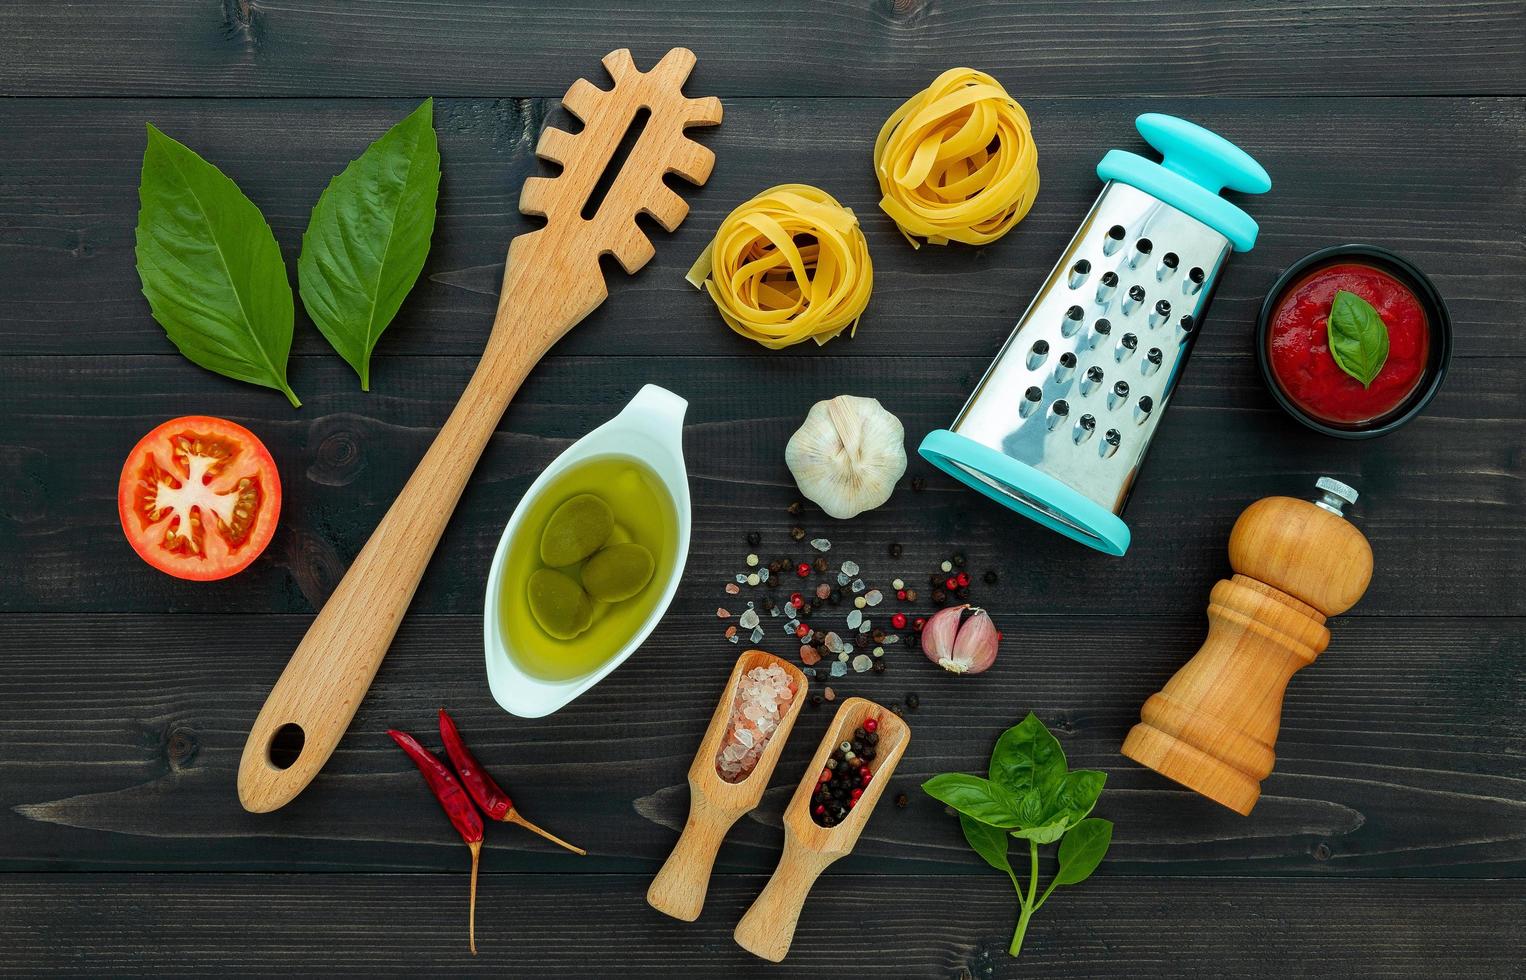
<point x="870" y="753"/>
<point x="935" y="579"/>
<point x="939" y="597"/>
<point x="797" y="532"/>
<point x="820" y="565"/>
<point x="775" y="567"/>
<point x="872" y="738"/>
<point x="879" y="666"/>
<point x="912" y="700"/>
<point x="859" y="735"/>
<point x="902" y="800"/>
<point x="990" y="576"/>
<point x="754" y="538"/>
<point x="895" y="549"/>
<point x="917" y="483"/>
<point x="835" y="598"/>
<point x="879" y="636"/>
<point x="860" y="641"/>
<point x="805" y="610"/>
<point x="958" y="559"/>
<point x="895" y="708"/>
<point x="964" y="594"/>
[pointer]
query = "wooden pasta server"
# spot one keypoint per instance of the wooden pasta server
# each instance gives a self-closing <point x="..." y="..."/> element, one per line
<point x="551" y="282"/>
<point x="715" y="803"/>
<point x="768" y="928"/>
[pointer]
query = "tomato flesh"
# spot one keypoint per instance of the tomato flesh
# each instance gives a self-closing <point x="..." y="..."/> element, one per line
<point x="199" y="498"/>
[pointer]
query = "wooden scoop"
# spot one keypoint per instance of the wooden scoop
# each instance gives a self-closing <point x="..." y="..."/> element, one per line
<point x="714" y="804"/>
<point x="769" y="926"/>
<point x="551" y="282"/>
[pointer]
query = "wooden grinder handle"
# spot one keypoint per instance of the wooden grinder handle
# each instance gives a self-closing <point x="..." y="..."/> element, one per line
<point x="680" y="887"/>
<point x="1214" y="725"/>
<point x="333" y="666"/>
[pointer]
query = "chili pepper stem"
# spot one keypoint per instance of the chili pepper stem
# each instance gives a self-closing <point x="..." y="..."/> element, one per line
<point x="471" y="911"/>
<point x="512" y="816"/>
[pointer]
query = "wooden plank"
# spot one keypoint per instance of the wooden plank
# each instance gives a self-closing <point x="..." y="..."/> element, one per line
<point x="1453" y="199"/>
<point x="66" y="422"/>
<point x="786" y="47"/>
<point x="1400" y="755"/>
<point x="545" y="925"/>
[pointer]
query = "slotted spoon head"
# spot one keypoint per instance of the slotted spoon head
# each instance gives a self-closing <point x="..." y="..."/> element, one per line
<point x="553" y="277"/>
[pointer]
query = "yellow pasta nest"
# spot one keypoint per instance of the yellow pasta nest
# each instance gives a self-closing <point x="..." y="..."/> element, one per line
<point x="789" y="265"/>
<point x="957" y="162"/>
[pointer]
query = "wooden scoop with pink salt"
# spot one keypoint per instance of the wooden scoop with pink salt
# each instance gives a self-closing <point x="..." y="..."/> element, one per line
<point x="730" y="771"/>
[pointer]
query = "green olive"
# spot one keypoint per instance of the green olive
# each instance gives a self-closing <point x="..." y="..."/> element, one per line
<point x="578" y="528"/>
<point x="618" y="572"/>
<point x="559" y="604"/>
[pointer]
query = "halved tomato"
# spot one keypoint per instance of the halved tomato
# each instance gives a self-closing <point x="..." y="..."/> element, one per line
<point x="199" y="498"/>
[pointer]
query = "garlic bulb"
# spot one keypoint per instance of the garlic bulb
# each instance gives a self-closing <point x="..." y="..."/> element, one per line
<point x="959" y="645"/>
<point x="848" y="455"/>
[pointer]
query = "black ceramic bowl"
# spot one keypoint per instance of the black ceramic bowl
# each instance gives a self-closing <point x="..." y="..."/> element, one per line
<point x="1438" y="320"/>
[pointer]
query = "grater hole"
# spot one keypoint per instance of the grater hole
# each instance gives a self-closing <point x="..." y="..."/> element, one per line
<point x="1187" y="323"/>
<point x="1061" y="407"/>
<point x="1037" y="353"/>
<point x="1075" y="313"/>
<point x="1163" y="308"/>
<point x="1129" y="341"/>
<point x="1196" y="275"/>
<point x="1145" y="246"/>
<point x="1143" y="408"/>
<point x="1194" y="281"/>
<point x="1084" y="428"/>
<point x="1137" y="293"/>
<point x="1110" y="279"/>
<point x="1094" y="374"/>
<point x="1170" y="260"/>
<point x="1114" y="240"/>
<point x="1079" y="272"/>
<point x="1116" y="233"/>
<point x="1068" y="359"/>
<point x="1103" y="326"/>
<point x="1034" y="393"/>
<point x="1109" y="444"/>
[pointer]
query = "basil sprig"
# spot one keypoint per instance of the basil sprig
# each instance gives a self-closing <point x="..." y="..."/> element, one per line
<point x="1358" y="337"/>
<point x="1029" y="794"/>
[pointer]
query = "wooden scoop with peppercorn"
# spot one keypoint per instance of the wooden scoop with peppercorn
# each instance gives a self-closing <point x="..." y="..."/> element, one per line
<point x="731" y="770"/>
<point x="825" y="817"/>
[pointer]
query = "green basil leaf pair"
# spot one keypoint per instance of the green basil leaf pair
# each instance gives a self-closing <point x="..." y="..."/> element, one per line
<point x="1030" y="795"/>
<point x="212" y="271"/>
<point x="1358" y="337"/>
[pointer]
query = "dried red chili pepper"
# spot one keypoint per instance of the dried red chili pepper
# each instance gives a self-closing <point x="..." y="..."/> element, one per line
<point x="488" y="794"/>
<point x="457" y="806"/>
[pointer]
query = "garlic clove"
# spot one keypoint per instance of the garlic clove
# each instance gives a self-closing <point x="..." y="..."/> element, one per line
<point x="848" y="455"/>
<point x="939" y="632"/>
<point x="975" y="646"/>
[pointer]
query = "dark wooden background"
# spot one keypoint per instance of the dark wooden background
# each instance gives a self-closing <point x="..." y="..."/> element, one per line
<point x="1392" y="836"/>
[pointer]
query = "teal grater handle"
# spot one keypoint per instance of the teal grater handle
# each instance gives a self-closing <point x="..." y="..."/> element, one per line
<point x="1197" y="163"/>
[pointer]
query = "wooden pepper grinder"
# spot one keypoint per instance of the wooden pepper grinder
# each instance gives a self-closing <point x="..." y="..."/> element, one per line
<point x="1212" y="727"/>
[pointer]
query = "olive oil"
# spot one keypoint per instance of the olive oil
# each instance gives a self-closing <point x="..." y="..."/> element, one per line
<point x="643" y="512"/>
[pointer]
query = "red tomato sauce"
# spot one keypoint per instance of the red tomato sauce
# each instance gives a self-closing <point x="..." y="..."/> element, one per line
<point x="1300" y="349"/>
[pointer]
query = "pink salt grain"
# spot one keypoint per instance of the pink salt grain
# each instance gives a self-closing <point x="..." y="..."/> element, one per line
<point x="762" y="700"/>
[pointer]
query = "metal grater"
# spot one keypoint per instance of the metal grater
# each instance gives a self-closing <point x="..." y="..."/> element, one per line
<point x="1058" y="427"/>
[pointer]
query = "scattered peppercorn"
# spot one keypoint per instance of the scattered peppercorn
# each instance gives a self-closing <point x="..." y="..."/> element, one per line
<point x="797" y="532"/>
<point x="963" y="578"/>
<point x="917" y="483"/>
<point x="912" y="700"/>
<point x="805" y="609"/>
<point x="754" y="538"/>
<point x="918" y="623"/>
<point x="911" y="595"/>
<point x="940" y="598"/>
<point x="895" y="549"/>
<point x="898" y="621"/>
<point x="775" y="567"/>
<point x="990" y="576"/>
<point x="879" y="667"/>
<point x="820" y="565"/>
<point x="902" y="800"/>
<point x="879" y="636"/>
<point x="895" y="709"/>
<point x="861" y="641"/>
<point x="964" y="595"/>
<point x="803" y="570"/>
<point x="843" y="781"/>
<point x="815" y="700"/>
<point x="951" y="583"/>
<point x="958" y="559"/>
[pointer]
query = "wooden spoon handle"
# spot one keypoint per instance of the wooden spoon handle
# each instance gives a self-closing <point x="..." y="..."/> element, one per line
<point x="679" y="888"/>
<point x="323" y="684"/>
<point x="768" y="928"/>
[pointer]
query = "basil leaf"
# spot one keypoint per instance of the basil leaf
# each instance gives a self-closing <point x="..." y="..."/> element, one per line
<point x="368" y="237"/>
<point x="1082" y="850"/>
<point x="1078" y="794"/>
<point x="975" y="797"/>
<point x="1358" y="337"/>
<point x="987" y="841"/>
<point x="1028" y="758"/>
<point x="211" y="268"/>
<point x="1044" y="833"/>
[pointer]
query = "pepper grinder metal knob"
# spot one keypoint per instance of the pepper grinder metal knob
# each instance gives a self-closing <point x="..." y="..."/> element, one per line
<point x="1213" y="726"/>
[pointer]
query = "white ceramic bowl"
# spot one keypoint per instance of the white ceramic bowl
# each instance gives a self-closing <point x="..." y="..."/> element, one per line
<point x="650" y="428"/>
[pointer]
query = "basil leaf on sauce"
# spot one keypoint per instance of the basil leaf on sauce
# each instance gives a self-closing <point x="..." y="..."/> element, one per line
<point x="368" y="237"/>
<point x="211" y="268"/>
<point x="1358" y="337"/>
